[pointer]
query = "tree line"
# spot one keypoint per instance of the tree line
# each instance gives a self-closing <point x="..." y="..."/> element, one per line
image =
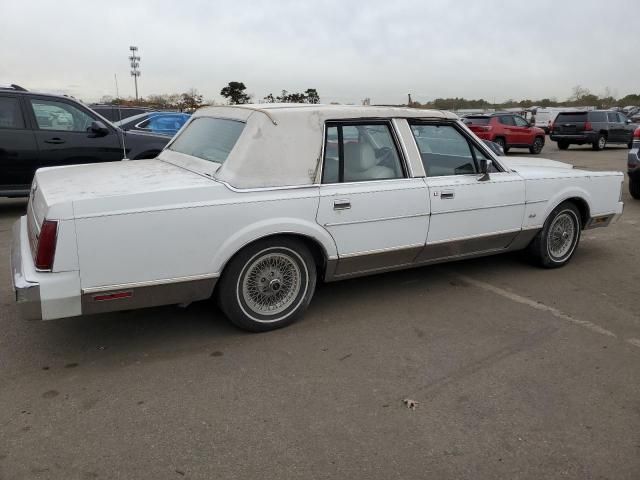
<point x="234" y="92"/>
<point x="580" y="97"/>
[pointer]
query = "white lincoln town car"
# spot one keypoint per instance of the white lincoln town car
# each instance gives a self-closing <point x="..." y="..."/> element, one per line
<point x="254" y="204"/>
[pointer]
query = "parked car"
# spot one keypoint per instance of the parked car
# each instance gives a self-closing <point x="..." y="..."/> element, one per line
<point x="507" y="130"/>
<point x="116" y="113"/>
<point x="161" y="123"/>
<point x="40" y="130"/>
<point x="242" y="206"/>
<point x="633" y="165"/>
<point x="546" y="116"/>
<point x="495" y="148"/>
<point x="595" y="127"/>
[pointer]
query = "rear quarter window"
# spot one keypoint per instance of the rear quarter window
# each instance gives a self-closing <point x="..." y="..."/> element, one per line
<point x="598" y="117"/>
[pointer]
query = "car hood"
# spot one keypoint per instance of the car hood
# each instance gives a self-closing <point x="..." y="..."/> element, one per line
<point x="516" y="163"/>
<point x="66" y="191"/>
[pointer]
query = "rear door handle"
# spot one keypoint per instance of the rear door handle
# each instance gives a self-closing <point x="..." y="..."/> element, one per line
<point x="341" y="204"/>
<point x="55" y="140"/>
<point x="447" y="195"/>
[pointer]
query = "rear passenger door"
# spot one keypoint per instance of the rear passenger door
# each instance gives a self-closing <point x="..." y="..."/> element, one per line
<point x="509" y="126"/>
<point x="376" y="213"/>
<point x="18" y="150"/>
<point x="468" y="215"/>
<point x="616" y="130"/>
<point x="63" y="135"/>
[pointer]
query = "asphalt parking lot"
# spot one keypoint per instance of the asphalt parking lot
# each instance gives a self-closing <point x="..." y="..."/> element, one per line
<point x="518" y="373"/>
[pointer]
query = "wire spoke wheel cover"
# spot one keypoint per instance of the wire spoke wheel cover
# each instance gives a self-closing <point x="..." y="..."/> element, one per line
<point x="562" y="236"/>
<point x="272" y="284"/>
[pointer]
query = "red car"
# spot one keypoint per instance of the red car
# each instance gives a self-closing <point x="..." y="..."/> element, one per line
<point x="507" y="130"/>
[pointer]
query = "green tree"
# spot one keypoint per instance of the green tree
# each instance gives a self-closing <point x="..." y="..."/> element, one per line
<point x="235" y="93"/>
<point x="312" y="96"/>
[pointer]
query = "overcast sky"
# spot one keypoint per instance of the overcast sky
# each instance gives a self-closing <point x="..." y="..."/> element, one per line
<point x="347" y="50"/>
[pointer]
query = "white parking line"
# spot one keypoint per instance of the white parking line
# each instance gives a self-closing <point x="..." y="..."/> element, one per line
<point x="542" y="307"/>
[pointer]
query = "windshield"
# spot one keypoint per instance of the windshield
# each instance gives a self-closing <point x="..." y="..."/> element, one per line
<point x="210" y="139"/>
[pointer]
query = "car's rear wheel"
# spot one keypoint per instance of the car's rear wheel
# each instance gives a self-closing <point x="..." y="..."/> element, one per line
<point x="562" y="145"/>
<point x="600" y="143"/>
<point x="556" y="243"/>
<point x="268" y="284"/>
<point x="537" y="146"/>
<point x="634" y="188"/>
<point x="503" y="144"/>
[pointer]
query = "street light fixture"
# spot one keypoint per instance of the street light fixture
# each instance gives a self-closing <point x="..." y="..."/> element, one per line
<point x="135" y="64"/>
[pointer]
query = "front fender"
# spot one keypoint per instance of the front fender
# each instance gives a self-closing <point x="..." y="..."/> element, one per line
<point x="270" y="227"/>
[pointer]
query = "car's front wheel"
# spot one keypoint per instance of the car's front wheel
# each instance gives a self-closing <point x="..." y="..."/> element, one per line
<point x="537" y="146"/>
<point x="556" y="243"/>
<point x="268" y="284"/>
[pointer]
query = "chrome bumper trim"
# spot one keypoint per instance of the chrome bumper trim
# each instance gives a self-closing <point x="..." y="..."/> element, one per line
<point x="27" y="293"/>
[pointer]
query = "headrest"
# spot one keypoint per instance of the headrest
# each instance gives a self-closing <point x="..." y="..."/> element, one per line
<point x="359" y="156"/>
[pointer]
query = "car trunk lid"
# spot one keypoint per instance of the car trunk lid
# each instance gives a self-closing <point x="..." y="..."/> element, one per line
<point x="570" y="123"/>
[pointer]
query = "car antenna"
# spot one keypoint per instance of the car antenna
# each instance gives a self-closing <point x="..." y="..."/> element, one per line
<point x="122" y="134"/>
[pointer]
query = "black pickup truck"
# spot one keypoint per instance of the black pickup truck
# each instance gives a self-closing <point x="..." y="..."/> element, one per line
<point x="41" y="130"/>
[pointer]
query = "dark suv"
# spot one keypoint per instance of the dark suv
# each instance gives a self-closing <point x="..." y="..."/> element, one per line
<point x="597" y="127"/>
<point x="42" y="130"/>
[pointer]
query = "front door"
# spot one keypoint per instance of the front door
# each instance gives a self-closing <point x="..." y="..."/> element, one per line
<point x="18" y="150"/>
<point x="523" y="131"/>
<point x="376" y="214"/>
<point x="469" y="214"/>
<point x="64" y="138"/>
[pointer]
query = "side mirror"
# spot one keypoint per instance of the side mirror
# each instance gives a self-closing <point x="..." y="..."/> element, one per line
<point x="485" y="165"/>
<point x="628" y="121"/>
<point x="98" y="128"/>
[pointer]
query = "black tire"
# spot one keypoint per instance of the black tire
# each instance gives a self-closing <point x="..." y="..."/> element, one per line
<point x="555" y="228"/>
<point x="634" y="188"/>
<point x="563" y="145"/>
<point x="502" y="142"/>
<point x="630" y="145"/>
<point x="538" y="145"/>
<point x="600" y="143"/>
<point x="238" y="298"/>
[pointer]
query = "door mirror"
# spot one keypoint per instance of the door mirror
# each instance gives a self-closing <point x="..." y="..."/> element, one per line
<point x="485" y="165"/>
<point x="98" y="128"/>
<point x="628" y="121"/>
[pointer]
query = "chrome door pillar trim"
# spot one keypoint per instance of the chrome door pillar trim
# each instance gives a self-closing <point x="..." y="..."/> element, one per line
<point x="409" y="147"/>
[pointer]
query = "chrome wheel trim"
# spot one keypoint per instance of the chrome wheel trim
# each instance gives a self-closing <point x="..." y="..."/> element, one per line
<point x="602" y="142"/>
<point x="283" y="289"/>
<point x="562" y="236"/>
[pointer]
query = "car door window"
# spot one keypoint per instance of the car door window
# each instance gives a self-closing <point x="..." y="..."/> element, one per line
<point x="360" y="152"/>
<point x="507" y="120"/>
<point x="520" y="122"/>
<point x="622" y="118"/>
<point x="54" y="115"/>
<point x="612" y="117"/>
<point x="10" y="114"/>
<point x="444" y="150"/>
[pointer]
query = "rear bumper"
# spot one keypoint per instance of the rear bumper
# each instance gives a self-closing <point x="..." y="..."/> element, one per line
<point x="586" y="137"/>
<point x="27" y="292"/>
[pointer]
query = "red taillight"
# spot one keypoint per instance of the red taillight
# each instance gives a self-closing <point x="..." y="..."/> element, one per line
<point x="587" y="126"/>
<point x="47" y="245"/>
<point x="636" y="134"/>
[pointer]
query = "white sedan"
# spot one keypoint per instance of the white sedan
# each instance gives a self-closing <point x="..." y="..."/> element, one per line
<point x="254" y="204"/>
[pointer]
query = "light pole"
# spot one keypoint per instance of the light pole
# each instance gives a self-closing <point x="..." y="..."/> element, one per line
<point x="135" y="64"/>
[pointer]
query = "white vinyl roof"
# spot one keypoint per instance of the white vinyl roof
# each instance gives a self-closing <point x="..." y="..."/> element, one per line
<point x="281" y="144"/>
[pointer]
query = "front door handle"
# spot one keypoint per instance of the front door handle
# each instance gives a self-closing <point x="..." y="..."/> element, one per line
<point x="341" y="204"/>
<point x="55" y="140"/>
<point x="447" y="195"/>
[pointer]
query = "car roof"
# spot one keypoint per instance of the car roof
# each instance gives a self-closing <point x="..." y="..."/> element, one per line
<point x="275" y="110"/>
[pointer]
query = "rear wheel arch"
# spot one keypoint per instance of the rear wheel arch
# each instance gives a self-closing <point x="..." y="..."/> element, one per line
<point x="582" y="206"/>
